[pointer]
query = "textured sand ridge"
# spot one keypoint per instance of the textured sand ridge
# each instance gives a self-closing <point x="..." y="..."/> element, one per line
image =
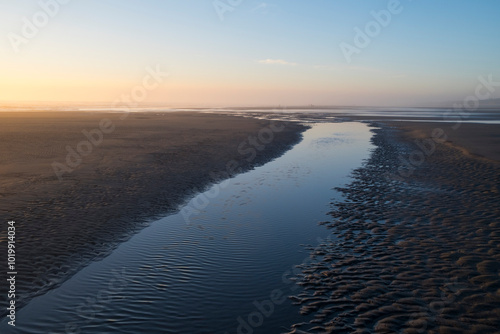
<point x="419" y="254"/>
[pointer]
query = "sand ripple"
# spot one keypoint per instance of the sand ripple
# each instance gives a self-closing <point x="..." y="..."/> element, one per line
<point x="418" y="255"/>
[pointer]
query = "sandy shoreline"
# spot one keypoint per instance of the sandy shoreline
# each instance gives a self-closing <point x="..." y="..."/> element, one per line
<point x="418" y="234"/>
<point x="147" y="166"/>
<point x="416" y="247"/>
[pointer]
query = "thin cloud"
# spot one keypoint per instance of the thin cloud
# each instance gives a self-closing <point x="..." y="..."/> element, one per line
<point x="347" y="68"/>
<point x="276" y="62"/>
<point x="264" y="8"/>
<point x="262" y="5"/>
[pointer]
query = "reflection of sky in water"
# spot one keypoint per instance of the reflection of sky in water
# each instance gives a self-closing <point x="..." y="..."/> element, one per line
<point x="334" y="140"/>
<point x="191" y="277"/>
<point x="490" y="115"/>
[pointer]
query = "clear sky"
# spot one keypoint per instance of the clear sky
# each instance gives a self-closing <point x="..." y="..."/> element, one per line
<point x="284" y="52"/>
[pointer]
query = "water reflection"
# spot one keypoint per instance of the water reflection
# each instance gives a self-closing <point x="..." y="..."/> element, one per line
<point x="221" y="272"/>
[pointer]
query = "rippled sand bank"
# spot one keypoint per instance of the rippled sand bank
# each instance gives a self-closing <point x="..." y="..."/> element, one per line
<point x="416" y="245"/>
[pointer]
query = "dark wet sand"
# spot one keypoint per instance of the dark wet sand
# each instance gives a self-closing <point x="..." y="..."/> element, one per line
<point x="414" y="248"/>
<point x="146" y="167"/>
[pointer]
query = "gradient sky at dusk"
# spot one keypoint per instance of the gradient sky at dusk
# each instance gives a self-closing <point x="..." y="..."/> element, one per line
<point x="263" y="53"/>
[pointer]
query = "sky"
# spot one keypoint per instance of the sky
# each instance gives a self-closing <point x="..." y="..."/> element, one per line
<point x="246" y="52"/>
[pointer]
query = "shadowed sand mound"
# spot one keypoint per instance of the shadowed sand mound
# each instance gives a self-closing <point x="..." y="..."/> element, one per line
<point x="418" y="253"/>
<point x="481" y="140"/>
<point x="144" y="168"/>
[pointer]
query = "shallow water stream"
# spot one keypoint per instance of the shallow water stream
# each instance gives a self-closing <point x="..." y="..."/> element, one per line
<point x="220" y="268"/>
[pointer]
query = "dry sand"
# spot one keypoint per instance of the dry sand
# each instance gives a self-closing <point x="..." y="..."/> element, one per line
<point x="415" y="250"/>
<point x="146" y="167"/>
<point x="481" y="140"/>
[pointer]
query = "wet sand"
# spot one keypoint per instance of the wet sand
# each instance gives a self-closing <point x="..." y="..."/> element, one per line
<point x="146" y="167"/>
<point x="415" y="246"/>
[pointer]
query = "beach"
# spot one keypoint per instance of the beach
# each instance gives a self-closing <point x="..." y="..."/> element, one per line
<point x="412" y="241"/>
<point x="147" y="165"/>
<point x="247" y="167"/>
